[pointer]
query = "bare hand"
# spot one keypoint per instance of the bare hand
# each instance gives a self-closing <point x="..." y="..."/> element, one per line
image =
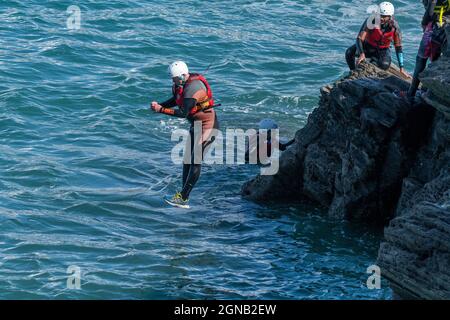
<point x="361" y="58"/>
<point x="156" y="106"/>
<point x="405" y="74"/>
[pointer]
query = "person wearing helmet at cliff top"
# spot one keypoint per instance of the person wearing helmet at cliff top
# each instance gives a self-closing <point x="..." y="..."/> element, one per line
<point x="434" y="38"/>
<point x="375" y="41"/>
<point x="254" y="141"/>
<point x="193" y="95"/>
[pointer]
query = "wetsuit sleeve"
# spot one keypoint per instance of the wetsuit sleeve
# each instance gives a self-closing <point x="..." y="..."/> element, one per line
<point x="167" y="105"/>
<point x="188" y="104"/>
<point x="359" y="45"/>
<point x="398" y="45"/>
<point x="361" y="38"/>
<point x="170" y="103"/>
<point x="400" y="58"/>
<point x="284" y="146"/>
<point x="172" y="112"/>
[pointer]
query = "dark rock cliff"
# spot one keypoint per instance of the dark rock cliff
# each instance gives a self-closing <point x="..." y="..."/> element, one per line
<point x="355" y="150"/>
<point x="415" y="255"/>
<point x="367" y="155"/>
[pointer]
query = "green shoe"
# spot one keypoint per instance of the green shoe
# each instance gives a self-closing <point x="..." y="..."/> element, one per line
<point x="178" y="201"/>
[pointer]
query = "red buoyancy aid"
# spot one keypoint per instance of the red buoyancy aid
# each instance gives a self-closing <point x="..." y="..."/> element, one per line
<point x="206" y="103"/>
<point x="380" y="39"/>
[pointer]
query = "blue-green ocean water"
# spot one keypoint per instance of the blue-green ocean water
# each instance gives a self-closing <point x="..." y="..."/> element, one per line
<point x="84" y="164"/>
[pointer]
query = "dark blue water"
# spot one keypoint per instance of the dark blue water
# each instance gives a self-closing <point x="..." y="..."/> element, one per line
<point x="84" y="164"/>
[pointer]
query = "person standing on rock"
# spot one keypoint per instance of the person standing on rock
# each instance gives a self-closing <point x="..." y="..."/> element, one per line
<point x="434" y="39"/>
<point x="375" y="41"/>
<point x="193" y="96"/>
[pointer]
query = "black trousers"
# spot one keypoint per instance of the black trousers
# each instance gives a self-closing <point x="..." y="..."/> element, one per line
<point x="381" y="56"/>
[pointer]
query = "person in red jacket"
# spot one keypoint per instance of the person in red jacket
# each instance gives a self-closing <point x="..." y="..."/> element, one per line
<point x="192" y="94"/>
<point x="375" y="41"/>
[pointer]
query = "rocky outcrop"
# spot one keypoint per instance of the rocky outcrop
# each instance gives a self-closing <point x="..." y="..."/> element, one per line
<point x="415" y="255"/>
<point x="355" y="150"/>
<point x="367" y="155"/>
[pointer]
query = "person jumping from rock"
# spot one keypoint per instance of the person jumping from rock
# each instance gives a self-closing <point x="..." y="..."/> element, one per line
<point x="193" y="96"/>
<point x="375" y="41"/>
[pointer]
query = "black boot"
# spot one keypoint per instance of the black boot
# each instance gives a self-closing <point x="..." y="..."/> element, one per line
<point x="413" y="88"/>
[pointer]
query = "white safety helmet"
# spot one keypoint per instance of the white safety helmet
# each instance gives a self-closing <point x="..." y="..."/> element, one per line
<point x="387" y="9"/>
<point x="178" y="68"/>
<point x="267" y="124"/>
